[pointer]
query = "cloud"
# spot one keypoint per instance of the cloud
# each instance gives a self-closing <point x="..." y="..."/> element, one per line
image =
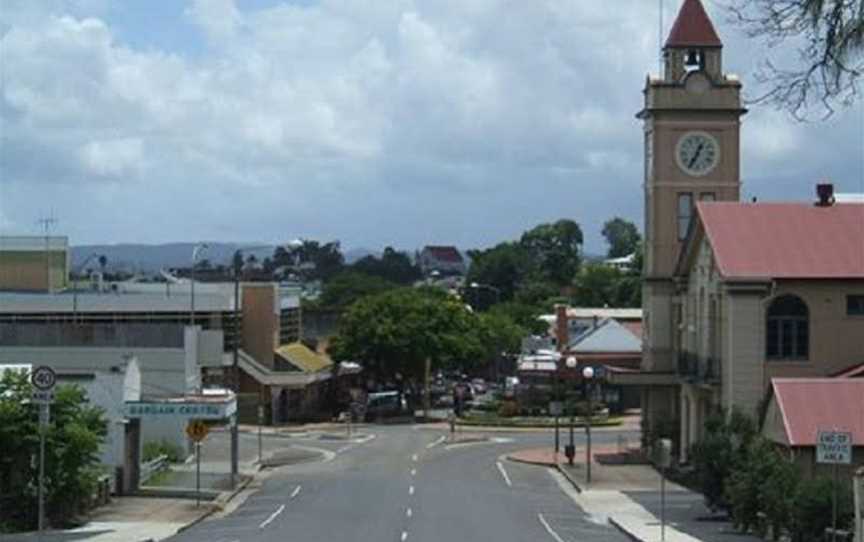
<point x="376" y="121"/>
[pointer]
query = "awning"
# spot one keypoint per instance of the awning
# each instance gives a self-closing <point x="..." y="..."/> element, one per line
<point x="626" y="377"/>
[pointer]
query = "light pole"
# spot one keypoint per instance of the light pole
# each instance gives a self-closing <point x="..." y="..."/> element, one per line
<point x="570" y="450"/>
<point x="588" y="375"/>
<point x="75" y="284"/>
<point x="200" y="247"/>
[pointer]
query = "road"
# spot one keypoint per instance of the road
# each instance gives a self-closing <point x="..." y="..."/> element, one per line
<point x="405" y="484"/>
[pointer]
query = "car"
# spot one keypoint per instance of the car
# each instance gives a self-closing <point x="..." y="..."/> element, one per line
<point x="479" y="386"/>
<point x="385" y="404"/>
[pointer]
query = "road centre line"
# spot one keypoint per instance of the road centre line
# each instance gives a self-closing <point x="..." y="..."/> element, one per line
<point x="272" y="517"/>
<point x="436" y="442"/>
<point x="414" y="458"/>
<point x="409" y="512"/>
<point x="404" y="535"/>
<point x="411" y="490"/>
<point x="413" y="472"/>
<point x="295" y="492"/>
<point x="504" y="474"/>
<point x="548" y="528"/>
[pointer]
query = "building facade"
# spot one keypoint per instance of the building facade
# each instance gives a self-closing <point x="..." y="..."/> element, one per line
<point x="33" y="263"/>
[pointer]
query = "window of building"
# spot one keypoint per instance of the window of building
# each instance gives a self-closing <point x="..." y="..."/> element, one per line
<point x="707" y="196"/>
<point x="855" y="305"/>
<point x="787" y="332"/>
<point x="685" y="212"/>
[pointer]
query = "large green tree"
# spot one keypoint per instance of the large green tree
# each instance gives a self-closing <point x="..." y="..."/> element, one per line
<point x="829" y="38"/>
<point x="397" y="331"/>
<point x="393" y="265"/>
<point x="556" y="250"/>
<point x="599" y="285"/>
<point x="72" y="442"/>
<point x="346" y="287"/>
<point x="622" y="236"/>
<point x="505" y="266"/>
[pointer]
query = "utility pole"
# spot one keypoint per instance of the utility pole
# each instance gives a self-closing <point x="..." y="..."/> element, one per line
<point x="427" y="374"/>
<point x="235" y="378"/>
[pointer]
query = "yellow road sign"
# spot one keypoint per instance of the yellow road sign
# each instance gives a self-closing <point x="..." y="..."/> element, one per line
<point x="197" y="430"/>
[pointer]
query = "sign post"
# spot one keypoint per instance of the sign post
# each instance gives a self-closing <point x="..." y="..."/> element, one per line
<point x="197" y="431"/>
<point x="834" y="448"/>
<point x="664" y="459"/>
<point x="43" y="379"/>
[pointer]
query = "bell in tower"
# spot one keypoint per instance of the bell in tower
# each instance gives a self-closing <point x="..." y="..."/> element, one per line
<point x="693" y="45"/>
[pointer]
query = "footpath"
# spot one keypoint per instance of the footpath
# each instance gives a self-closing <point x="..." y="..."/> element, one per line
<point x="627" y="494"/>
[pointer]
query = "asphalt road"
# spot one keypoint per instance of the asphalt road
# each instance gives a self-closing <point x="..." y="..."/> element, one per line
<point x="405" y="485"/>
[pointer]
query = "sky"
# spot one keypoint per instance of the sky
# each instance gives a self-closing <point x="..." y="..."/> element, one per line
<point x="375" y="122"/>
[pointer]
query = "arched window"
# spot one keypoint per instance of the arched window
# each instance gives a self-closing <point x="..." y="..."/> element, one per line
<point x="787" y="333"/>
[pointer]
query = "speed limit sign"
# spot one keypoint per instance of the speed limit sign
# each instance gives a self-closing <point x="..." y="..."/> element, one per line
<point x="43" y="378"/>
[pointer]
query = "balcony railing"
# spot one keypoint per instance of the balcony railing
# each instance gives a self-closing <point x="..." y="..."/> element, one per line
<point x="698" y="370"/>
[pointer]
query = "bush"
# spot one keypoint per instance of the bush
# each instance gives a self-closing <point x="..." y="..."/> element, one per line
<point x="72" y="445"/>
<point x="508" y="409"/>
<point x="813" y="508"/>
<point x="722" y="449"/>
<point x="153" y="449"/>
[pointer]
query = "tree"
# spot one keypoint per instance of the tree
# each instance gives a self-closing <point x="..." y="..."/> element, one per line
<point x="623" y="237"/>
<point x="73" y="438"/>
<point x="393" y="265"/>
<point x="346" y="287"/>
<point x="556" y="248"/>
<point x="237" y="262"/>
<point x="829" y="35"/>
<point x="505" y="266"/>
<point x="326" y="259"/>
<point x="599" y="285"/>
<point x="396" y="331"/>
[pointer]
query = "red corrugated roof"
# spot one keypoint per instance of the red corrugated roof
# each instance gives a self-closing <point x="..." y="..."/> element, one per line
<point x="444" y="254"/>
<point x="785" y="240"/>
<point x="810" y="405"/>
<point x="693" y="28"/>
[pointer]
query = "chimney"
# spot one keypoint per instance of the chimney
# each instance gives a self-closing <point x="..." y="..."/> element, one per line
<point x="562" y="330"/>
<point x="825" y="192"/>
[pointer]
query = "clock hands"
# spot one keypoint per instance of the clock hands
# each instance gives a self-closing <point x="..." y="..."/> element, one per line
<point x="696" y="155"/>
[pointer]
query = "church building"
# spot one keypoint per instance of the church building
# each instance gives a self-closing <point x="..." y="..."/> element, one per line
<point x="734" y="293"/>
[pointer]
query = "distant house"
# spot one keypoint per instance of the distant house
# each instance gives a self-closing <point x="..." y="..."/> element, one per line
<point x="623" y="264"/>
<point x="446" y="260"/>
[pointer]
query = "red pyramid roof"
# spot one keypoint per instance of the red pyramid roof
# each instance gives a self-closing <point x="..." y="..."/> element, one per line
<point x="693" y="27"/>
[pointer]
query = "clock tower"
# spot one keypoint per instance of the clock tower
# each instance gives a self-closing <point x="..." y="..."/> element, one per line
<point x="692" y="122"/>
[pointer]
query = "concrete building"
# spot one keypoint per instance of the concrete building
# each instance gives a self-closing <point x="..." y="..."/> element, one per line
<point x="34" y="263"/>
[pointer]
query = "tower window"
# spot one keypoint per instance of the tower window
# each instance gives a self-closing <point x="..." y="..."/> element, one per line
<point x="787" y="332"/>
<point x="685" y="213"/>
<point x="855" y="305"/>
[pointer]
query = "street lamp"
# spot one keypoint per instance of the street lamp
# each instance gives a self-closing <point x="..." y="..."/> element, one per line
<point x="200" y="247"/>
<point x="570" y="449"/>
<point x="75" y="284"/>
<point x="588" y="375"/>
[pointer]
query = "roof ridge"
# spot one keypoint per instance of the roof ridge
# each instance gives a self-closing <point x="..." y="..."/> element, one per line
<point x="693" y="27"/>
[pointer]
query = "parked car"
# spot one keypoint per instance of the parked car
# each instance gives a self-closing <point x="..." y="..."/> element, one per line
<point x="479" y="386"/>
<point x="385" y="404"/>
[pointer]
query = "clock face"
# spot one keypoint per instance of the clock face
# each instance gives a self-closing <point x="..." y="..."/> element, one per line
<point x="697" y="153"/>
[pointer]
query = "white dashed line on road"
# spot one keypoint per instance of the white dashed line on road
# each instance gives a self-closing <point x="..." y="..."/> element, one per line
<point x="413" y="472"/>
<point x="504" y="474"/>
<point x="414" y="458"/>
<point x="549" y="530"/>
<point x="436" y="443"/>
<point x="408" y="513"/>
<point x="272" y="517"/>
<point x="411" y="490"/>
<point x="295" y="492"/>
<point x="404" y="535"/>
